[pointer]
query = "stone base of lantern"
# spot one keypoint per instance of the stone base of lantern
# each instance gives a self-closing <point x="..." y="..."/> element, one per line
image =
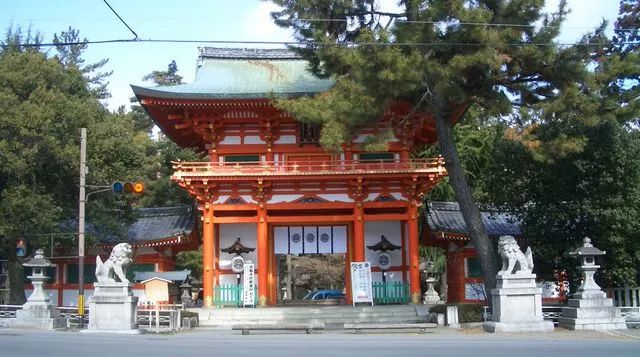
<point x="595" y="312"/>
<point x="38" y="315"/>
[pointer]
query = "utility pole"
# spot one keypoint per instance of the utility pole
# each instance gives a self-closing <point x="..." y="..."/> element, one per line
<point x="81" y="201"/>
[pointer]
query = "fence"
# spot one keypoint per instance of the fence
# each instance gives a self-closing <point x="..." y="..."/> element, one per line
<point x="624" y="297"/>
<point x="230" y="295"/>
<point x="549" y="313"/>
<point x="165" y="317"/>
<point x="391" y="292"/>
<point x="160" y="317"/>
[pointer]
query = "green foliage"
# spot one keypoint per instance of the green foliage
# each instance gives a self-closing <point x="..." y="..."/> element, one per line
<point x="169" y="77"/>
<point x="44" y="101"/>
<point x="594" y="192"/>
<point x="436" y="255"/>
<point x="192" y="260"/>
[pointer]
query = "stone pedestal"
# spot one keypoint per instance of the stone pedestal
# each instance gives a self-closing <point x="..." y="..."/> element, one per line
<point x="592" y="314"/>
<point x="431" y="296"/>
<point x="38" y="315"/>
<point x="517" y="305"/>
<point x="113" y="309"/>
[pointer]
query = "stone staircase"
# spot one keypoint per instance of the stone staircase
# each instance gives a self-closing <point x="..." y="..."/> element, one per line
<point x="327" y="316"/>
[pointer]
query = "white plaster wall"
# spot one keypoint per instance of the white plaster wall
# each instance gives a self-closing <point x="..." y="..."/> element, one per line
<point x="336" y="197"/>
<point x="284" y="198"/>
<point x="70" y="297"/>
<point x="221" y="199"/>
<point x="286" y="139"/>
<point x="228" y="235"/>
<point x="248" y="198"/>
<point x="372" y="232"/>
<point x="391" y="276"/>
<point x="145" y="250"/>
<point x="230" y="279"/>
<point x="52" y="293"/>
<point x="398" y="196"/>
<point x="253" y="139"/>
<point x="230" y="140"/>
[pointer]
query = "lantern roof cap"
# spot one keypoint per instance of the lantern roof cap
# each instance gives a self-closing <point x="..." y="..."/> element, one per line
<point x="38" y="261"/>
<point x="588" y="249"/>
<point x="384" y="245"/>
<point x="238" y="248"/>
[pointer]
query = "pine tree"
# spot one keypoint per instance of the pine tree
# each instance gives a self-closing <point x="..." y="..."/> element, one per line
<point x="441" y="56"/>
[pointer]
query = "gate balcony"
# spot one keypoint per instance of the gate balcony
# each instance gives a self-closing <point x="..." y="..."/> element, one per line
<point x="433" y="167"/>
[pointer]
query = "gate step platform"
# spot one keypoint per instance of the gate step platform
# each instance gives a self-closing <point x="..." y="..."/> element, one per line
<point x="334" y="316"/>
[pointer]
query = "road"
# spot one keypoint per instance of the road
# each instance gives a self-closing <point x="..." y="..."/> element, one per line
<point x="27" y="343"/>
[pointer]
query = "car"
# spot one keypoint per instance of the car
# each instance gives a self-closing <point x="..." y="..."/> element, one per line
<point x="324" y="294"/>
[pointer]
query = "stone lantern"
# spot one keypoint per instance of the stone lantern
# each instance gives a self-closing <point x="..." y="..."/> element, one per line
<point x="38" y="311"/>
<point x="590" y="309"/>
<point x="587" y="255"/>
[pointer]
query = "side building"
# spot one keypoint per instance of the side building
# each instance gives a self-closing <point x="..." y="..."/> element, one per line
<point x="157" y="236"/>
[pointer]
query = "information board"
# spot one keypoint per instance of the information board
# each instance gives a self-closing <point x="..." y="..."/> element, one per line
<point x="248" y="285"/>
<point x="361" y="290"/>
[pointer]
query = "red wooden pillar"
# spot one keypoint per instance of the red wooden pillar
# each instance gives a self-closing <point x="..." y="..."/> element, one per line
<point x="207" y="254"/>
<point x="414" y="259"/>
<point x="263" y="256"/>
<point x="404" y="156"/>
<point x="358" y="233"/>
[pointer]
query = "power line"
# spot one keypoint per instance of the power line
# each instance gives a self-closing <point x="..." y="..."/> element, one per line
<point x="298" y="43"/>
<point x="121" y="20"/>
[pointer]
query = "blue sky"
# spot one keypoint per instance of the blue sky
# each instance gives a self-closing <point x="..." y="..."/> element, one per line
<point x="238" y="20"/>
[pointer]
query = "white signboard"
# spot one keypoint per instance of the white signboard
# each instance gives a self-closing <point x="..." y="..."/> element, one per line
<point x="248" y="285"/>
<point x="361" y="290"/>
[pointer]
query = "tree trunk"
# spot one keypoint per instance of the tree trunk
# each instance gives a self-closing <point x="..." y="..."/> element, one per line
<point x="288" y="278"/>
<point x="15" y="276"/>
<point x="470" y="212"/>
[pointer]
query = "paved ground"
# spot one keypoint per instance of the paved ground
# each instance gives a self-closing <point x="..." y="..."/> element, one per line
<point x="440" y="342"/>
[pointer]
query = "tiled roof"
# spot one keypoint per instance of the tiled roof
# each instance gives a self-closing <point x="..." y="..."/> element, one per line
<point x="243" y="73"/>
<point x="178" y="275"/>
<point x="247" y="53"/>
<point x="445" y="217"/>
<point x="160" y="223"/>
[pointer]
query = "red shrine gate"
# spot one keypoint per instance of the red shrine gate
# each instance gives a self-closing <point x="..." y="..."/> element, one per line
<point x="265" y="170"/>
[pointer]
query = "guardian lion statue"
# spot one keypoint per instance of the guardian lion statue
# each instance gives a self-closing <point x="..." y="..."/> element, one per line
<point x="116" y="266"/>
<point x="511" y="255"/>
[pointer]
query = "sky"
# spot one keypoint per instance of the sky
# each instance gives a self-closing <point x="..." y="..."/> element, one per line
<point x="237" y="20"/>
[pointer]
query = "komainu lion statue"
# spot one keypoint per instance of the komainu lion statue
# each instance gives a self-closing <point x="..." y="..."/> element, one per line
<point x="116" y="265"/>
<point x="511" y="254"/>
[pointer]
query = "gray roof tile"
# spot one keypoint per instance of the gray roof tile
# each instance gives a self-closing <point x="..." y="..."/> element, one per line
<point x="446" y="217"/>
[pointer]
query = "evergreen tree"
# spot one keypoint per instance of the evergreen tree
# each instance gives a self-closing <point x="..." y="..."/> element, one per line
<point x="44" y="101"/>
<point x="441" y="56"/>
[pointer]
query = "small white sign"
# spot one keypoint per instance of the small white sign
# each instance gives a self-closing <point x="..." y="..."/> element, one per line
<point x="248" y="285"/>
<point x="361" y="290"/>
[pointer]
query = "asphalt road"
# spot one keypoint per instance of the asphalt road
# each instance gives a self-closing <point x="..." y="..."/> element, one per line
<point x="205" y="343"/>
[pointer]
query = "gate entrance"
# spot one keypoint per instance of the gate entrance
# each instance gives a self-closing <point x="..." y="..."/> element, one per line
<point x="311" y="263"/>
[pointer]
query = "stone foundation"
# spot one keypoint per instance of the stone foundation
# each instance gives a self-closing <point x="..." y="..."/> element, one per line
<point x="517" y="305"/>
<point x="113" y="309"/>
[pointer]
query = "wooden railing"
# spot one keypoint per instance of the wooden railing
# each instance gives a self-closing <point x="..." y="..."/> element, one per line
<point x="271" y="168"/>
<point x="624" y="297"/>
<point x="230" y="295"/>
<point x="391" y="292"/>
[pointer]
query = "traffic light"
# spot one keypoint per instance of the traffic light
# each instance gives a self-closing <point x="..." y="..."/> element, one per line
<point x="120" y="187"/>
<point x="21" y="248"/>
